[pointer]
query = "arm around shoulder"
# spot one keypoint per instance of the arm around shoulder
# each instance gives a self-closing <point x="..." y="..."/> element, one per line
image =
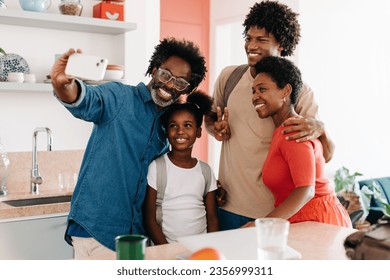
<point x="327" y="145"/>
<point x="308" y="107"/>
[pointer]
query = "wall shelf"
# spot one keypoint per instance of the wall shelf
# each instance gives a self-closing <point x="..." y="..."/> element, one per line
<point x="56" y="22"/>
<point x="64" y="22"/>
<point x="7" y="87"/>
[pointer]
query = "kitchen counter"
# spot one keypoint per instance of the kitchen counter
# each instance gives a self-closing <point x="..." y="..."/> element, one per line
<point x="315" y="241"/>
<point x="51" y="164"/>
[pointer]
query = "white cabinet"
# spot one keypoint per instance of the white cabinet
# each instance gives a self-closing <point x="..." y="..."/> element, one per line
<point x="35" y="238"/>
<point x="58" y="22"/>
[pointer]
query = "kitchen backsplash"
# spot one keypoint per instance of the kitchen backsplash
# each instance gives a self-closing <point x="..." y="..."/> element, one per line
<point x="50" y="165"/>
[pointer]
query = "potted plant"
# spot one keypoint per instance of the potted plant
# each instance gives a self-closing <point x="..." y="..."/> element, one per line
<point x="374" y="191"/>
<point x="345" y="182"/>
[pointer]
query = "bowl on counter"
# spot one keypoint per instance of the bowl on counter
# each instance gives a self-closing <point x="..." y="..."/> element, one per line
<point x="113" y="72"/>
<point x="35" y="5"/>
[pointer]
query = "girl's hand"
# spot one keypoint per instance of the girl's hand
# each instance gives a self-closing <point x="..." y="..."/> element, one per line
<point x="221" y="195"/>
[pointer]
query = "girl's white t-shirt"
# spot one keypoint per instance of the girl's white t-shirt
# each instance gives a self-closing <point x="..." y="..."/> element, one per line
<point x="183" y="207"/>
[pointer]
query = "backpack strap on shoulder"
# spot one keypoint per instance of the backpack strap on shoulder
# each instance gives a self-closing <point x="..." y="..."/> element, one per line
<point x="206" y="171"/>
<point x="161" y="179"/>
<point x="161" y="184"/>
<point x="232" y="81"/>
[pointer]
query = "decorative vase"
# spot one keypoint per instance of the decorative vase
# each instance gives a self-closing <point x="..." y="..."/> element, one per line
<point x="35" y="5"/>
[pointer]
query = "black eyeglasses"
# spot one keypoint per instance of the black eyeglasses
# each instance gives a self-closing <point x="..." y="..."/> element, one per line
<point x="165" y="76"/>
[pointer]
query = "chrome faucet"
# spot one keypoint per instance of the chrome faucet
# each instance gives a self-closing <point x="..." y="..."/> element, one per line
<point x="36" y="178"/>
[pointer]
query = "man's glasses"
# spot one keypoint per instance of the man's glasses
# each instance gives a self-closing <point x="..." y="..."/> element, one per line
<point x="165" y="77"/>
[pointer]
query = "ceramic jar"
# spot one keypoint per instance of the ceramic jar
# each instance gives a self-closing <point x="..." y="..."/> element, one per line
<point x="70" y="7"/>
<point x="35" y="5"/>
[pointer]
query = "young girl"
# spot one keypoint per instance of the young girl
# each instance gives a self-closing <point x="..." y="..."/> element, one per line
<point x="188" y="205"/>
<point x="294" y="172"/>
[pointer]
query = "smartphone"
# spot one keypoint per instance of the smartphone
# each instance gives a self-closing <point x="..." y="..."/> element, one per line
<point x="86" y="67"/>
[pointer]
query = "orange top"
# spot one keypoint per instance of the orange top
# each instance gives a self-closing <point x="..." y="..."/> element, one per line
<point x="290" y="165"/>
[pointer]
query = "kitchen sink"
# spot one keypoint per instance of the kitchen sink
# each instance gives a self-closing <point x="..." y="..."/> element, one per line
<point x="38" y="201"/>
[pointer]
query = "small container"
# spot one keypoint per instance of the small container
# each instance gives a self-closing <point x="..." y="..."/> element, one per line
<point x="113" y="72"/>
<point x="111" y="10"/>
<point x="71" y="7"/>
<point x="15" y="77"/>
<point x="29" y="78"/>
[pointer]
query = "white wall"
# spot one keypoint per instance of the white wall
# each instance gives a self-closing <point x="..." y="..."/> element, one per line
<point x="343" y="55"/>
<point x="20" y="113"/>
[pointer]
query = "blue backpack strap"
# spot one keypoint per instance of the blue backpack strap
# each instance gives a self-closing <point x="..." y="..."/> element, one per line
<point x="161" y="184"/>
<point x="206" y="171"/>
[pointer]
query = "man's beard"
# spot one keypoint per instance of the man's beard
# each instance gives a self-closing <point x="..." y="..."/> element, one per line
<point x="158" y="100"/>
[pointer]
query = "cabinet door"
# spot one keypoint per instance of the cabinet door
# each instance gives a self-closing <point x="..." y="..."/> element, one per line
<point x="35" y="239"/>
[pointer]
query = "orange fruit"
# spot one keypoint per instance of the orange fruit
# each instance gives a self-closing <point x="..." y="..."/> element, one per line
<point x="207" y="254"/>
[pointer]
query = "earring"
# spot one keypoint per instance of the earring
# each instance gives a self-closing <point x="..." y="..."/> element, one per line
<point x="284" y="99"/>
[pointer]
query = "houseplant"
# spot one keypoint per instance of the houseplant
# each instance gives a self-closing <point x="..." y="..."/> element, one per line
<point x="345" y="182"/>
<point x="373" y="191"/>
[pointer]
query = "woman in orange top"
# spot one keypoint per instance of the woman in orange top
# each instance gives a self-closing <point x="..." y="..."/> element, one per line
<point x="294" y="172"/>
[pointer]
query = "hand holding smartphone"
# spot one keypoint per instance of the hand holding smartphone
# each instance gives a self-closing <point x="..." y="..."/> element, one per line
<point x="86" y="67"/>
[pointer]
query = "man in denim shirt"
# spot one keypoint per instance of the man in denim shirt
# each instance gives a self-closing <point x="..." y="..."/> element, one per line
<point x="126" y="137"/>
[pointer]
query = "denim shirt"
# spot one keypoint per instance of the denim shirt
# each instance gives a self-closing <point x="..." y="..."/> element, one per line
<point x="126" y="137"/>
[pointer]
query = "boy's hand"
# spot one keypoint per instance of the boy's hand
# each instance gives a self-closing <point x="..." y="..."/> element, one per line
<point x="305" y="128"/>
<point x="221" y="126"/>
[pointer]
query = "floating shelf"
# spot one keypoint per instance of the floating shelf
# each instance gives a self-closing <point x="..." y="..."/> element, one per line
<point x="25" y="87"/>
<point x="64" y="22"/>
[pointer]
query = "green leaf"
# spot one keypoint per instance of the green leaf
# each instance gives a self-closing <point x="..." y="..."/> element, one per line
<point x="365" y="199"/>
<point x="344" y="181"/>
<point x="374" y="190"/>
<point x="386" y="209"/>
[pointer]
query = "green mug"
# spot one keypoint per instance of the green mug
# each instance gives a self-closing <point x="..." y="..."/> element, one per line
<point x="130" y="247"/>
